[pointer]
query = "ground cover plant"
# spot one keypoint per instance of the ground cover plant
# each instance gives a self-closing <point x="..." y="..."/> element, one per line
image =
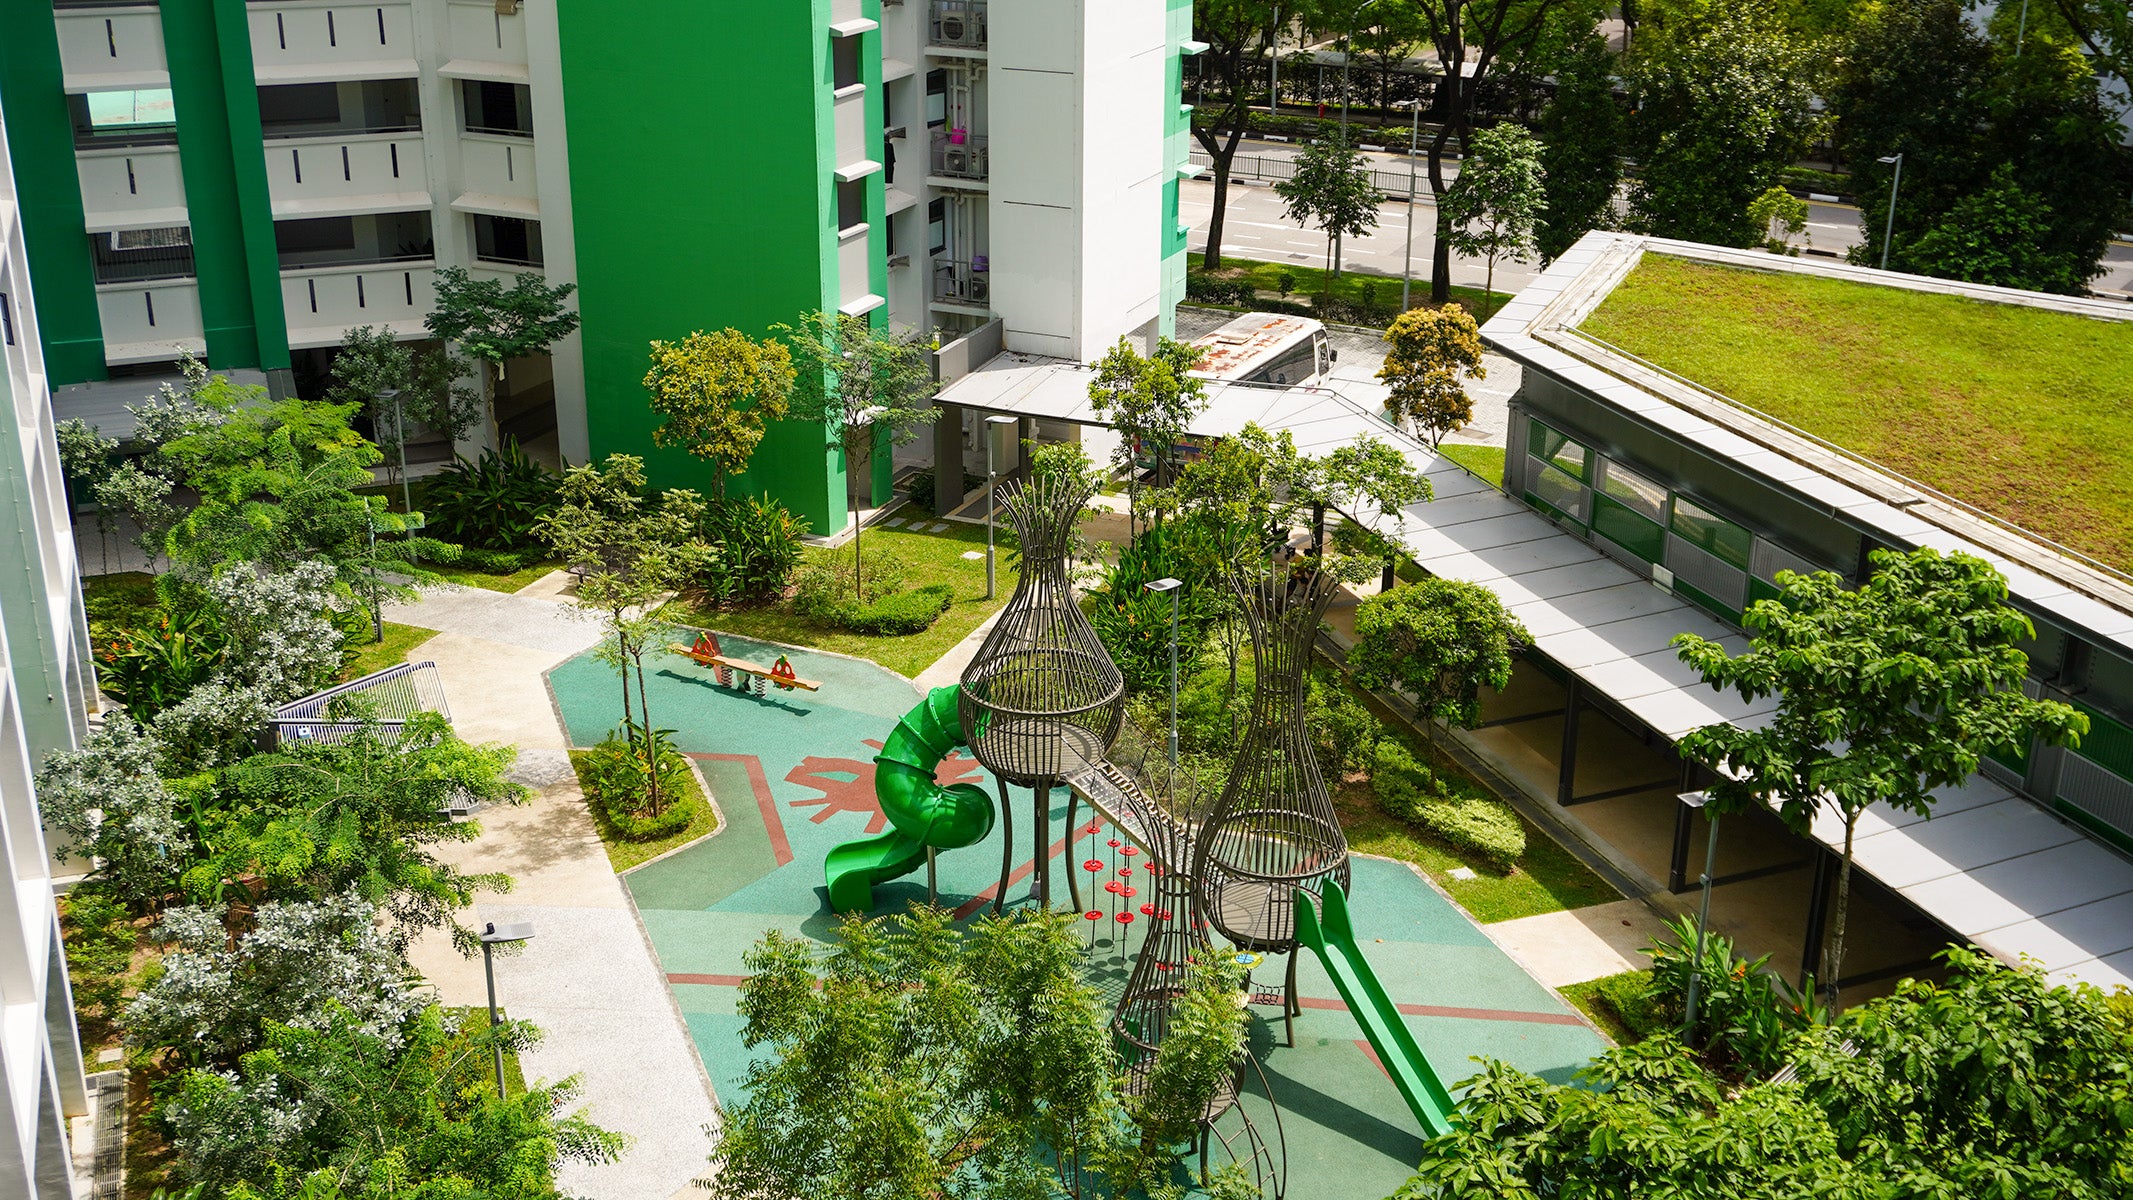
<point x="1360" y="297"/>
<point x="695" y="818"/>
<point x="1886" y="373"/>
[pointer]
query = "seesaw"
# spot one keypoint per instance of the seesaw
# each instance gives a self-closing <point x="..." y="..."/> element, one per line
<point x="739" y="673"/>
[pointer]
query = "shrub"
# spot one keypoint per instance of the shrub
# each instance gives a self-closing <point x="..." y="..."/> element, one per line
<point x="922" y="488"/>
<point x="1469" y="823"/>
<point x="1629" y="997"/>
<point x="905" y="613"/>
<point x="494" y="502"/>
<point x="152" y="667"/>
<point x="1745" y="1015"/>
<point x="497" y="562"/>
<point x="1343" y="730"/>
<point x="99" y="941"/>
<point x="825" y="585"/>
<point x="1212" y="289"/>
<point x="758" y="545"/>
<point x="614" y="778"/>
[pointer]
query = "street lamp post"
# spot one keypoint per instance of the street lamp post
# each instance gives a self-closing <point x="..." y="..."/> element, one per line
<point x="1407" y="258"/>
<point x="991" y="423"/>
<point x="1698" y="800"/>
<point x="1159" y="587"/>
<point x="1888" y="230"/>
<point x="1347" y="53"/>
<point x="377" y="591"/>
<point x="1273" y="78"/>
<point x="493" y="935"/>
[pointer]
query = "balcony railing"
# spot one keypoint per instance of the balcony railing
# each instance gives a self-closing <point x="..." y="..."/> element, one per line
<point x="958" y="23"/>
<point x="959" y="282"/>
<point x="959" y="156"/>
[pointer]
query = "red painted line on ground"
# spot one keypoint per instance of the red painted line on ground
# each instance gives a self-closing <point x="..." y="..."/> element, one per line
<point x="1018" y="875"/>
<point x="1370" y="1054"/>
<point x="1440" y="1010"/>
<point x="779" y="847"/>
<point x="713" y="980"/>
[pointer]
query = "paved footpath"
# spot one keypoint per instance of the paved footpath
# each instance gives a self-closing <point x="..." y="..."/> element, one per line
<point x="588" y="977"/>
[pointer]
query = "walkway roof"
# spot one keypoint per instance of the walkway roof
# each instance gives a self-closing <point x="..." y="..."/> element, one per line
<point x="1991" y="866"/>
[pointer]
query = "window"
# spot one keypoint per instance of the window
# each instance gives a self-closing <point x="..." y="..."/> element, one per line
<point x="889" y="236"/>
<point x="1556" y="471"/>
<point x="1627" y="488"/>
<point x="851" y="201"/>
<point x="507" y="240"/>
<point x="937" y="227"/>
<point x="294" y="108"/>
<point x="1711" y="533"/>
<point x="1291" y="367"/>
<point x="1560" y="452"/>
<point x="129" y="118"/>
<point x="936" y="99"/>
<point x="133" y="255"/>
<point x="493" y="107"/>
<point x="7" y="318"/>
<point x="844" y="63"/>
<point x="1630" y="512"/>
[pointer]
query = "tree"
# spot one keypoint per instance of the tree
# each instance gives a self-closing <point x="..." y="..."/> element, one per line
<point x="870" y="389"/>
<point x="1431" y="349"/>
<point x="1151" y="402"/>
<point x="1884" y="694"/>
<point x="293" y="964"/>
<point x="1476" y="34"/>
<point x="494" y="324"/>
<point x="628" y="555"/>
<point x="1332" y="191"/>
<point x="115" y="810"/>
<point x="1993" y="1084"/>
<point x="1780" y="217"/>
<point x="917" y="1058"/>
<point x="279" y="642"/>
<point x="1239" y="34"/>
<point x="1722" y="103"/>
<point x="1496" y="203"/>
<point x="718" y="392"/>
<point x="323" y="818"/>
<point x="2105" y="28"/>
<point x="1918" y="78"/>
<point x="1441" y="641"/>
<point x="85" y="461"/>
<point x="371" y="362"/>
<point x="342" y="1110"/>
<point x="143" y="499"/>
<point x="1581" y="161"/>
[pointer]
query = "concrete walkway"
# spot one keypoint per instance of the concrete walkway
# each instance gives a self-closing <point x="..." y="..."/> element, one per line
<point x="587" y="978"/>
<point x="1579" y="944"/>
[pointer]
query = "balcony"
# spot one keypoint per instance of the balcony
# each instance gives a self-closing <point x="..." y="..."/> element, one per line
<point x="966" y="283"/>
<point x="957" y="25"/>
<point x="482" y="43"/>
<point x="323" y="302"/>
<point x="130" y="188"/>
<point x="150" y="321"/>
<point x="959" y="156"/>
<point x="298" y="41"/>
<point x="346" y="174"/>
<point x="501" y="175"/>
<point x="101" y="49"/>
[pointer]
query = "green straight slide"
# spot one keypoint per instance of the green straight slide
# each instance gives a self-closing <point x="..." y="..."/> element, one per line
<point x="1333" y="937"/>
<point x="922" y="814"/>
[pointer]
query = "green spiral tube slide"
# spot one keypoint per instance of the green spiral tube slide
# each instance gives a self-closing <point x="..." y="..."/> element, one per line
<point x="922" y="814"/>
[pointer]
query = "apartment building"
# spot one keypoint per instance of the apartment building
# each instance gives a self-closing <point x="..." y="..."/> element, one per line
<point x="255" y="178"/>
<point x="45" y="691"/>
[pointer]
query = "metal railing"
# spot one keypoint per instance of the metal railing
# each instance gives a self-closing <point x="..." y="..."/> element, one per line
<point x="1268" y="168"/>
<point x="384" y="699"/>
<point x="960" y="282"/>
<point x="965" y="159"/>
<point x="959" y="23"/>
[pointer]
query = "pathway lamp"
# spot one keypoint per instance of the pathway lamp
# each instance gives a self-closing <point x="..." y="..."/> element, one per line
<point x="1697" y="800"/>
<point x="1407" y="258"/>
<point x="392" y="396"/>
<point x="992" y="426"/>
<point x="492" y="936"/>
<point x="1888" y="231"/>
<point x="1159" y="587"/>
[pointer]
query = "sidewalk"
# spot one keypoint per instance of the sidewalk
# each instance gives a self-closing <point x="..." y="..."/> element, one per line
<point x="587" y="977"/>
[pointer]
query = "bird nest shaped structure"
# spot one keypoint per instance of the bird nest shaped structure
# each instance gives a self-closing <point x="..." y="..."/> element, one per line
<point x="1273" y="829"/>
<point x="1042" y="700"/>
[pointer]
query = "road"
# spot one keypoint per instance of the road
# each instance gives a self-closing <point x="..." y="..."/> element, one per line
<point x="1257" y="228"/>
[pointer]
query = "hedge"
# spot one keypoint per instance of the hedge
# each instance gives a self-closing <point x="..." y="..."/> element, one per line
<point x="1469" y="823"/>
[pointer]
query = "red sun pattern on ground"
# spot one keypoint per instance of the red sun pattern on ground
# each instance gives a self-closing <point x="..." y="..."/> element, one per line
<point x="847" y="784"/>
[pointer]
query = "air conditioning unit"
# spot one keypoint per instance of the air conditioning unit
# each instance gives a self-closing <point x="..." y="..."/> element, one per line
<point x="956" y="160"/>
<point x="952" y="27"/>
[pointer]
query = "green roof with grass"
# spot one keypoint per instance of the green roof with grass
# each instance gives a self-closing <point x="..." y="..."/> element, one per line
<point x="2023" y="412"/>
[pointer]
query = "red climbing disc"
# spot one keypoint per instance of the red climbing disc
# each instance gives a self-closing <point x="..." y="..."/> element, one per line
<point x="1128" y="890"/>
<point x="1125" y="918"/>
<point x="1112" y="887"/>
<point x="1093" y="866"/>
<point x="1147" y="910"/>
<point x="1164" y="915"/>
<point x="1129" y="851"/>
<point x="1113" y="843"/>
<point x="1092" y="915"/>
<point x="1125" y="870"/>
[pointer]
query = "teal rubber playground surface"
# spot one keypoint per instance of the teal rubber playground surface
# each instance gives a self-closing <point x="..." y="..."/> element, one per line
<point x="793" y="774"/>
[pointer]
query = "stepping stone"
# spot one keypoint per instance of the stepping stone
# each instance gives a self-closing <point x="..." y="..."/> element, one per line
<point x="973" y="554"/>
<point x="1462" y="874"/>
<point x="936" y="527"/>
<point x="892" y="522"/>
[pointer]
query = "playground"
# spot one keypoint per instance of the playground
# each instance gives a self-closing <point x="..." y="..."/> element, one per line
<point x="833" y="797"/>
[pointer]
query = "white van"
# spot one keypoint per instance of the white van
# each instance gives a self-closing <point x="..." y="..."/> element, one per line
<point x="1272" y="349"/>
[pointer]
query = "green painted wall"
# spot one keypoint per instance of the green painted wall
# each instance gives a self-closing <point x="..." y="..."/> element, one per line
<point x="222" y="159"/>
<point x="40" y="142"/>
<point x="38" y="664"/>
<point x="1177" y="142"/>
<point x="700" y="153"/>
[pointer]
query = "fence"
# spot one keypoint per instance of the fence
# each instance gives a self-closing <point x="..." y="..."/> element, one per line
<point x="384" y="699"/>
<point x="1271" y="168"/>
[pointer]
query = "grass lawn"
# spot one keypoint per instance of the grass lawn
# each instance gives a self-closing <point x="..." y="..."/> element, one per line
<point x="400" y="641"/>
<point x="1548" y="879"/>
<point x="622" y="853"/>
<point x="1485" y="461"/>
<point x="1889" y="374"/>
<point x="497" y="583"/>
<point x="1591" y="997"/>
<point x="928" y="558"/>
<point x="1358" y="287"/>
<point x="117" y="602"/>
